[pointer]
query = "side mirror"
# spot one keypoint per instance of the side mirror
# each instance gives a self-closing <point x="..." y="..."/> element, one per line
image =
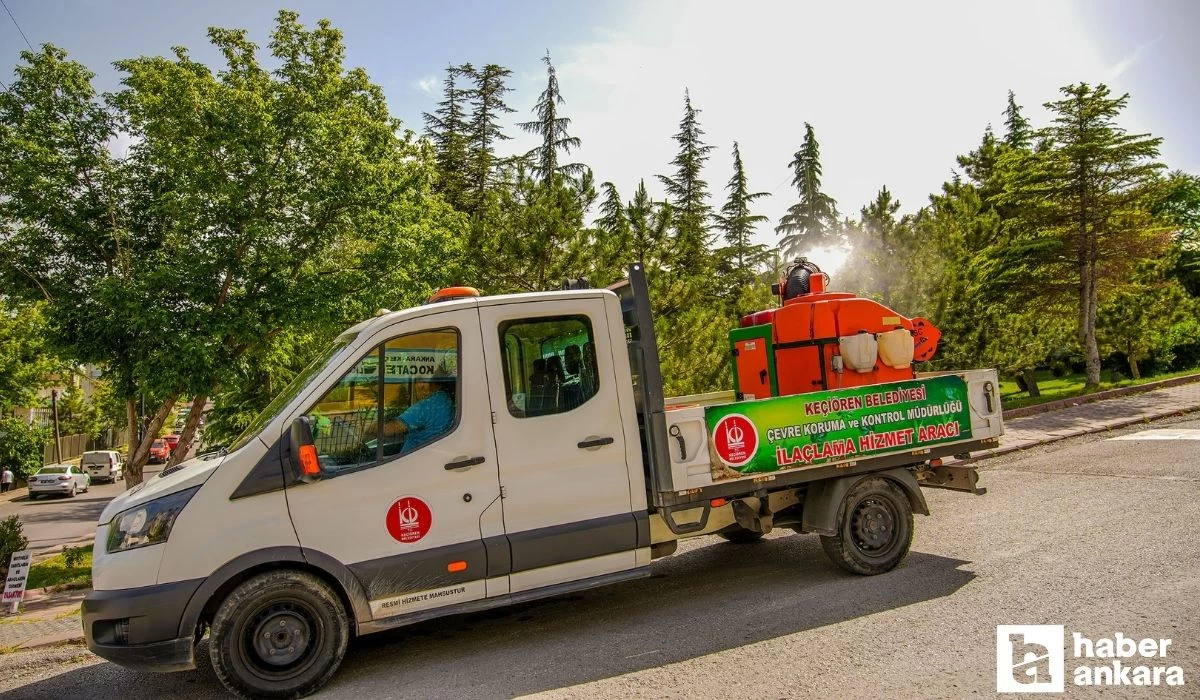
<point x="303" y="453"/>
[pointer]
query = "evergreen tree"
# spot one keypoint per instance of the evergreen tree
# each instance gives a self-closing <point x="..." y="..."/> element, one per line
<point x="1084" y="208"/>
<point x="737" y="223"/>
<point x="1018" y="134"/>
<point x="649" y="224"/>
<point x="486" y="97"/>
<point x="553" y="130"/>
<point x="689" y="193"/>
<point x="448" y="130"/>
<point x="808" y="222"/>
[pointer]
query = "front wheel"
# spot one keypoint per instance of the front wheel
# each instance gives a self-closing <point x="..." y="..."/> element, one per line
<point x="279" y="634"/>
<point x="875" y="528"/>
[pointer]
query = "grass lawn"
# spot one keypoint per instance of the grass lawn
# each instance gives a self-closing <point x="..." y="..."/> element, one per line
<point x="1069" y="386"/>
<point x="55" y="572"/>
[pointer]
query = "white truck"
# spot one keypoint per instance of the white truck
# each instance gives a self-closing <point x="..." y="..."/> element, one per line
<point x="484" y="451"/>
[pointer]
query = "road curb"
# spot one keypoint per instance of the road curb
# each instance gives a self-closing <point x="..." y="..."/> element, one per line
<point x="52" y="640"/>
<point x="1098" y="396"/>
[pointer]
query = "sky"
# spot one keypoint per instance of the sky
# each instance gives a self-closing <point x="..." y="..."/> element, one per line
<point x="893" y="90"/>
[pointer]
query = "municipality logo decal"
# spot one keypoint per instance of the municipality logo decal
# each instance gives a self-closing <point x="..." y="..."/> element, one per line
<point x="1032" y="659"/>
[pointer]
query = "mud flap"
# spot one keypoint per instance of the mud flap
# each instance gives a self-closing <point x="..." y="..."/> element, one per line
<point x="953" y="478"/>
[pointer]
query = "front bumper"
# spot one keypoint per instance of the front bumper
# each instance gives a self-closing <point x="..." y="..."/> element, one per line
<point x="139" y="628"/>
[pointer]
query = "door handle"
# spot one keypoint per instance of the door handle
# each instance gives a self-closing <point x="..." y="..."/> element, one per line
<point x="463" y="463"/>
<point x="595" y="442"/>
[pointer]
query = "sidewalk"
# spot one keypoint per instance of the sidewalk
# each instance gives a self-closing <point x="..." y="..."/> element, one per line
<point x="1098" y="416"/>
<point x="55" y="619"/>
<point x="43" y="621"/>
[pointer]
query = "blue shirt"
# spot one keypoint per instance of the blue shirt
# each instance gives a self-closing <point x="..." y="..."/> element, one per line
<point x="428" y="419"/>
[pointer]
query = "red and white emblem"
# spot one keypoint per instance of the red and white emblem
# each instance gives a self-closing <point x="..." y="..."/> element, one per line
<point x="409" y="519"/>
<point x="735" y="438"/>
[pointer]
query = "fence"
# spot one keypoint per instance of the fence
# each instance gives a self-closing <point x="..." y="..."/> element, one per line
<point x="72" y="446"/>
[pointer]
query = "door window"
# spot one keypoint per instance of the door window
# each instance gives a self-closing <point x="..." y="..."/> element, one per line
<point x="549" y="364"/>
<point x="384" y="409"/>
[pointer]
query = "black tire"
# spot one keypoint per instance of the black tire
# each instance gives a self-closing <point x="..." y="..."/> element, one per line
<point x="875" y="528"/>
<point x="740" y="535"/>
<point x="71" y="493"/>
<point x="278" y="611"/>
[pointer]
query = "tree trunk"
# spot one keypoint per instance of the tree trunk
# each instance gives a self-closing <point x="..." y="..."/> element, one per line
<point x="1091" y="347"/>
<point x="133" y="469"/>
<point x="131" y="418"/>
<point x="189" y="430"/>
<point x="1031" y="382"/>
<point x="1133" y="368"/>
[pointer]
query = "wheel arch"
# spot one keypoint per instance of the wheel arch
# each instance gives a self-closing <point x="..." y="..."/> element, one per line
<point x="204" y="602"/>
<point x="823" y="502"/>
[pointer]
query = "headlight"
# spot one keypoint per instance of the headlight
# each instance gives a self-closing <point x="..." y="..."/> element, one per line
<point x="147" y="524"/>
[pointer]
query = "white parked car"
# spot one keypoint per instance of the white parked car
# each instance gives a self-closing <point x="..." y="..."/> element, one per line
<point x="103" y="465"/>
<point x="61" y="479"/>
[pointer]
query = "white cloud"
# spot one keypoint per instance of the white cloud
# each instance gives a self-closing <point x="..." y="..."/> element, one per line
<point x="1127" y="62"/>
<point x="429" y="85"/>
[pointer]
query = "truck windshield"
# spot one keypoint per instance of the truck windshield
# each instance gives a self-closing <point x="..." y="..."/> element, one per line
<point x="330" y="355"/>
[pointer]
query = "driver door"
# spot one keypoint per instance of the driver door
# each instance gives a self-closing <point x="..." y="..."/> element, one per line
<point x="405" y="438"/>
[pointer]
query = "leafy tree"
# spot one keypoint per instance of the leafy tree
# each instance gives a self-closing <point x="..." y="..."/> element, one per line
<point x="22" y="446"/>
<point x="1018" y="133"/>
<point x="1084" y="209"/>
<point x="552" y="128"/>
<point x="1177" y="205"/>
<point x="809" y="222"/>
<point x="448" y="130"/>
<point x="688" y="193"/>
<point x="72" y="239"/>
<point x="26" y="361"/>
<point x="1138" y="316"/>
<point x="738" y="223"/>
<point x="292" y="195"/>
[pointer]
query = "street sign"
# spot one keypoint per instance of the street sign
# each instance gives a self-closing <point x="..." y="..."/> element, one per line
<point x="18" y="573"/>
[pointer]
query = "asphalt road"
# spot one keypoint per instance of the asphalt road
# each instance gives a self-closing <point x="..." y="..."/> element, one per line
<point x="1095" y="534"/>
<point x="55" y="520"/>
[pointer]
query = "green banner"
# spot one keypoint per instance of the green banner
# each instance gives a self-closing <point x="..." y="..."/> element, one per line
<point x="836" y="426"/>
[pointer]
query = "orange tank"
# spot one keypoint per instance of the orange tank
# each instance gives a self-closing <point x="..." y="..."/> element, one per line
<point x="828" y="340"/>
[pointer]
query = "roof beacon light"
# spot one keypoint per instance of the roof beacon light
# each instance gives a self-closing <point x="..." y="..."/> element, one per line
<point x="452" y="293"/>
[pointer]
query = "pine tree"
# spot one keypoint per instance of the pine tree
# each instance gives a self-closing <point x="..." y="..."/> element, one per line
<point x="553" y="130"/>
<point x="736" y="221"/>
<point x="808" y="222"/>
<point x="1018" y="134"/>
<point x="649" y="223"/>
<point x="447" y="129"/>
<point x="1083" y="205"/>
<point x="486" y="97"/>
<point x="689" y="193"/>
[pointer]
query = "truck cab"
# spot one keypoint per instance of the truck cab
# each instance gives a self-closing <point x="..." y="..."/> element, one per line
<point x="452" y="469"/>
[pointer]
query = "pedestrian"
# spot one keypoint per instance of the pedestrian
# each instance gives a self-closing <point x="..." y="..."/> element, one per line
<point x="6" y="480"/>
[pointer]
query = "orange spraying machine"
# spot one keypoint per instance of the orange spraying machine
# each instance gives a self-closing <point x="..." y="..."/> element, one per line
<point x="818" y="340"/>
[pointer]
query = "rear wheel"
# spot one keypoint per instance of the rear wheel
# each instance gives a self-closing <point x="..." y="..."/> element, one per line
<point x="71" y="493"/>
<point x="279" y="634"/>
<point x="875" y="528"/>
<point x="740" y="535"/>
